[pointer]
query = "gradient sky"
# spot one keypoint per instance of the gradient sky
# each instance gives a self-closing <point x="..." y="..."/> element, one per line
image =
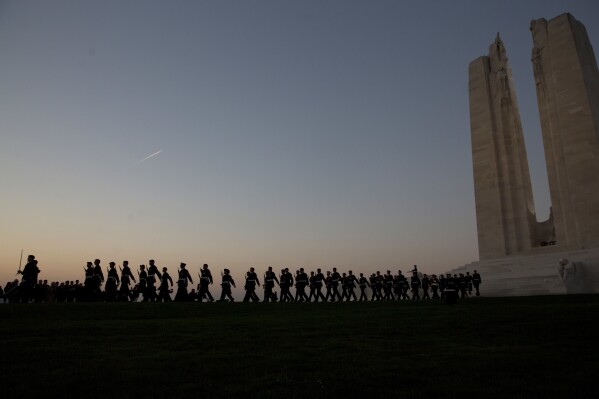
<point x="293" y="133"/>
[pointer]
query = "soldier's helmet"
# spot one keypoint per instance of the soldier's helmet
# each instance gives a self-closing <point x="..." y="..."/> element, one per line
<point x="112" y="264"/>
<point x="183" y="265"/>
<point x="164" y="269"/>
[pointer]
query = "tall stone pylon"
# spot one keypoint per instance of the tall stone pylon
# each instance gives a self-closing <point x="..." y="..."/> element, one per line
<point x="505" y="213"/>
<point x="567" y="82"/>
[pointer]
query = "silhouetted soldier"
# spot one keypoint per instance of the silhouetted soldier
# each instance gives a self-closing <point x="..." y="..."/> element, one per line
<point x="406" y="288"/>
<point x="468" y="278"/>
<point x="126" y="277"/>
<point x="166" y="282"/>
<point x="98" y="280"/>
<point x="397" y="285"/>
<point x="153" y="276"/>
<point x="435" y="286"/>
<point x="372" y="283"/>
<point x="184" y="278"/>
<point x="344" y="285"/>
<point x="335" y="280"/>
<point x="88" y="283"/>
<point x="286" y="284"/>
<point x="476" y="280"/>
<point x="301" y="281"/>
<point x="451" y="292"/>
<point x="318" y="282"/>
<point x="363" y="283"/>
<point x="269" y="284"/>
<point x="380" y="282"/>
<point x="312" y="285"/>
<point x="388" y="287"/>
<point x="415" y="284"/>
<point x="442" y="285"/>
<point x="205" y="281"/>
<point x="328" y="281"/>
<point x="351" y="280"/>
<point x="462" y="285"/>
<point x="112" y="282"/>
<point x="251" y="281"/>
<point x="142" y="287"/>
<point x="426" y="282"/>
<point x="28" y="280"/>
<point x="226" y="286"/>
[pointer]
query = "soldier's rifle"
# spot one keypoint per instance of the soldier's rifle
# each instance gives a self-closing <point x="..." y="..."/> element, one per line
<point x="20" y="263"/>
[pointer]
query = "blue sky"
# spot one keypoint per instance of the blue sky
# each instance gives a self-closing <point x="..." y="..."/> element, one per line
<point x="293" y="133"/>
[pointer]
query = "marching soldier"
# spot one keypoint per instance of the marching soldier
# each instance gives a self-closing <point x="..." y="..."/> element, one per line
<point x="405" y="289"/>
<point x="372" y="282"/>
<point x="184" y="276"/>
<point x="28" y="279"/>
<point x="335" y="279"/>
<point x="205" y="281"/>
<point x="112" y="282"/>
<point x="126" y="277"/>
<point x="301" y="282"/>
<point x="312" y="285"/>
<point x="286" y="283"/>
<point x="166" y="282"/>
<point x="426" y="282"/>
<point x="226" y="286"/>
<point x="442" y="285"/>
<point x="344" y="286"/>
<point x="88" y="283"/>
<point x="435" y="286"/>
<point x="397" y="285"/>
<point x="269" y="284"/>
<point x="451" y="292"/>
<point x="98" y="280"/>
<point x="379" y="285"/>
<point x="476" y="280"/>
<point x="251" y="280"/>
<point x="351" y="280"/>
<point x="153" y="273"/>
<point x="415" y="284"/>
<point x="142" y="287"/>
<point x="363" y="283"/>
<point x="318" y="282"/>
<point x="468" y="283"/>
<point x="462" y="285"/>
<point x="388" y="287"/>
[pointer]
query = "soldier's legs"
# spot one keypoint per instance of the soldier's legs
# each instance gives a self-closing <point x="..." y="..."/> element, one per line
<point x="248" y="295"/>
<point x="477" y="291"/>
<point x="320" y="295"/>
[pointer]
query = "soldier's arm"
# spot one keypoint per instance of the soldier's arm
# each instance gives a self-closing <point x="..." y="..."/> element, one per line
<point x="276" y="279"/>
<point x="189" y="277"/>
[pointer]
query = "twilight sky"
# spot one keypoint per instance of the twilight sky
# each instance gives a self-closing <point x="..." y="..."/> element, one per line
<point x="293" y="133"/>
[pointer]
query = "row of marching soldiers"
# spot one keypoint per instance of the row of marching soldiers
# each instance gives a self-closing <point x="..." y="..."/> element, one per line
<point x="151" y="283"/>
<point x="155" y="285"/>
<point x="341" y="286"/>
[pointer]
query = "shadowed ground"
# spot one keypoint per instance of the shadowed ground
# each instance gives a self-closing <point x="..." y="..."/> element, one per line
<point x="483" y="347"/>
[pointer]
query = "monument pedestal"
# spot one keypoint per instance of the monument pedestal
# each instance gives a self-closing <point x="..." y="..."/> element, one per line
<point x="537" y="273"/>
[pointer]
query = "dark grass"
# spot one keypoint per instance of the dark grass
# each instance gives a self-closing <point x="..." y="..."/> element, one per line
<point x="482" y="348"/>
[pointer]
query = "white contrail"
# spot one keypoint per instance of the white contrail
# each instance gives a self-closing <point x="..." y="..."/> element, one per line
<point x="148" y="157"/>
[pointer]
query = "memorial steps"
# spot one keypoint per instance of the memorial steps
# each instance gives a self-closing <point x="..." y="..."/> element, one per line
<point x="535" y="274"/>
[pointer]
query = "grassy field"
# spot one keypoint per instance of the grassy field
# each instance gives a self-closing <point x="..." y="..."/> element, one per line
<point x="481" y="348"/>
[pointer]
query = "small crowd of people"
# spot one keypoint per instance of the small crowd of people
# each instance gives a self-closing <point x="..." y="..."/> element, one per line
<point x="155" y="285"/>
